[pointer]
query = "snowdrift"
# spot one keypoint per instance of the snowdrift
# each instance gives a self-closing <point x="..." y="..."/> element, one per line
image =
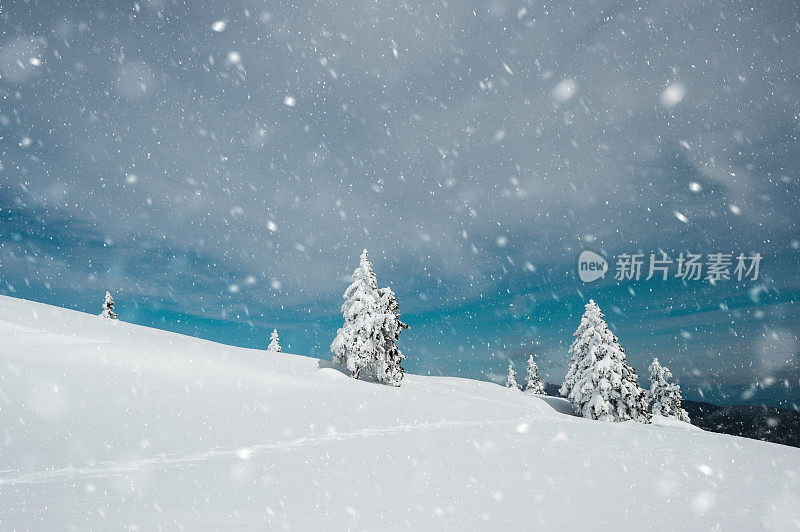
<point x="107" y="425"/>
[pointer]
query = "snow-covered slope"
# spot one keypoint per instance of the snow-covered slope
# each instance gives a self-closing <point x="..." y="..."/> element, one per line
<point x="106" y="425"/>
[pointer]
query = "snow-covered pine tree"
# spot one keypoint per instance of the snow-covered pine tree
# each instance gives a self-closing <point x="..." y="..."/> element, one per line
<point x="664" y="397"/>
<point x="108" y="307"/>
<point x="274" y="344"/>
<point x="589" y="336"/>
<point x="511" y="378"/>
<point x="599" y="381"/>
<point x="360" y="342"/>
<point x="390" y="370"/>
<point x="533" y="384"/>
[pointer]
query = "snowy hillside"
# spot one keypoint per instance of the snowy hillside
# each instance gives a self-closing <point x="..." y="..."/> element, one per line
<point x="107" y="425"/>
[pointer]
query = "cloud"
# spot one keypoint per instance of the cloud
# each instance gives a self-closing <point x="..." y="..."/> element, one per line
<point x="429" y="135"/>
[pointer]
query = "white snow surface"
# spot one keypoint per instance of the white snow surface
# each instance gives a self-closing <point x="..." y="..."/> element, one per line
<point x="108" y="425"/>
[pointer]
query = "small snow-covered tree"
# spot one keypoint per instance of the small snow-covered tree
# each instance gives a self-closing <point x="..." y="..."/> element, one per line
<point x="358" y="342"/>
<point x="599" y="381"/>
<point x="533" y="384"/>
<point x="664" y="397"/>
<point x="108" y="307"/>
<point x="511" y="378"/>
<point x="389" y="369"/>
<point x="274" y="344"/>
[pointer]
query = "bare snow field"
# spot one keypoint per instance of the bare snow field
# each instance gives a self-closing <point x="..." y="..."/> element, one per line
<point x="108" y="425"/>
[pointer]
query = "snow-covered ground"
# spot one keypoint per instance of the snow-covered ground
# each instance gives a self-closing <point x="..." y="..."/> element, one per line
<point x="109" y="425"/>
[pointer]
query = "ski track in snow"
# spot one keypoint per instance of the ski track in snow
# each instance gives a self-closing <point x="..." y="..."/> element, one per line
<point x="112" y="470"/>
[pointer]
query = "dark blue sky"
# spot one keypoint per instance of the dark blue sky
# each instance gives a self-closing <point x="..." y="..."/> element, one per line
<point x="219" y="167"/>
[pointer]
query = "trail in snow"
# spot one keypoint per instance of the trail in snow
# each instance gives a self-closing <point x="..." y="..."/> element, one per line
<point x="110" y="469"/>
